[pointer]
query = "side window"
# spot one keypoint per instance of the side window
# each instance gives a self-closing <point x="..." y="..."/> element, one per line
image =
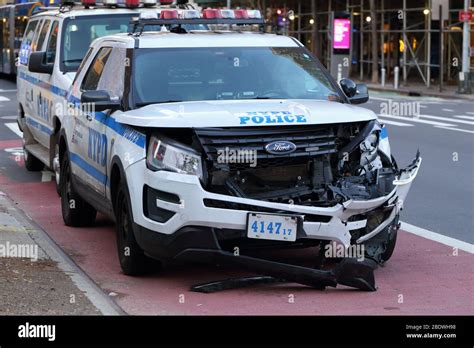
<point x="91" y="80"/>
<point x="43" y="33"/>
<point x="25" y="48"/>
<point x="52" y="42"/>
<point x="112" y="78"/>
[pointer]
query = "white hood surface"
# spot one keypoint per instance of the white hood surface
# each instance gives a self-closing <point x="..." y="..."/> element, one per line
<point x="243" y="113"/>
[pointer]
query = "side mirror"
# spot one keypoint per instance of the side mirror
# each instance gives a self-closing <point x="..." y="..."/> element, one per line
<point x="99" y="100"/>
<point x="356" y="93"/>
<point x="36" y="63"/>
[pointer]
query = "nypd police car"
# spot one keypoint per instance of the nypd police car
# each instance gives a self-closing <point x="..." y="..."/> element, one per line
<point x="53" y="46"/>
<point x="206" y="144"/>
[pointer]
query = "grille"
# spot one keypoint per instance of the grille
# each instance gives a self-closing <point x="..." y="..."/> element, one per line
<point x="310" y="142"/>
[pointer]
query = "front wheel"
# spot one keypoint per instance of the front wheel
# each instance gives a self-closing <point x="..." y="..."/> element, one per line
<point x="32" y="164"/>
<point x="133" y="260"/>
<point x="76" y="211"/>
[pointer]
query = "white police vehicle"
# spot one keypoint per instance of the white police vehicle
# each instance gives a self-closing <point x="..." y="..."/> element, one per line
<point x="54" y="44"/>
<point x="202" y="144"/>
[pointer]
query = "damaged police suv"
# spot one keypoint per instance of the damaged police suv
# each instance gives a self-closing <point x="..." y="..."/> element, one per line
<point x="201" y="143"/>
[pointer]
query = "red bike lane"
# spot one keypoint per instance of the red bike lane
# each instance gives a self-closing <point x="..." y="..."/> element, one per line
<point x="423" y="277"/>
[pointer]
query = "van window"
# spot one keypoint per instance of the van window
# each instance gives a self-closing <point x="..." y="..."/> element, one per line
<point x="42" y="36"/>
<point x="78" y="33"/>
<point x="25" y="48"/>
<point x="52" y="42"/>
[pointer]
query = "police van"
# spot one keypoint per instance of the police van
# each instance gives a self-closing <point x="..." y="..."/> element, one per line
<point x="54" y="44"/>
<point x="209" y="144"/>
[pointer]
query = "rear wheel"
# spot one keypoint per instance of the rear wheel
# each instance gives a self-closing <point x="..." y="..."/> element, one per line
<point x="76" y="211"/>
<point x="57" y="170"/>
<point x="133" y="260"/>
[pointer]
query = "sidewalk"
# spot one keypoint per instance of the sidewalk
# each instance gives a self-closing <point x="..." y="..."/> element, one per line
<point x="420" y="90"/>
<point x="36" y="277"/>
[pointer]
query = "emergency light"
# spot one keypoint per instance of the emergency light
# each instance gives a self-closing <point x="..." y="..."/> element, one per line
<point x="87" y="3"/>
<point x="132" y="3"/>
<point x="169" y="14"/>
<point x="211" y="13"/>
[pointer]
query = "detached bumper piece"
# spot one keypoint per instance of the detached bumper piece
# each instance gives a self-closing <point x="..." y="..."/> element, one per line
<point x="349" y="272"/>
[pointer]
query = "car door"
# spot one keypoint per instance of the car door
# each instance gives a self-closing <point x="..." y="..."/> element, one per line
<point x="89" y="144"/>
<point x="40" y="103"/>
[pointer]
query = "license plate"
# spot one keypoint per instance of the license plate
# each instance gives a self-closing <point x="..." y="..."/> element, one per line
<point x="272" y="227"/>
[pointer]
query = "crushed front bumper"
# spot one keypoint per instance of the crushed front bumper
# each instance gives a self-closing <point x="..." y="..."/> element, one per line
<point x="181" y="201"/>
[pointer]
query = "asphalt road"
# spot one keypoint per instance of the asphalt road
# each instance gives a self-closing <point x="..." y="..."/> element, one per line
<point x="442" y="197"/>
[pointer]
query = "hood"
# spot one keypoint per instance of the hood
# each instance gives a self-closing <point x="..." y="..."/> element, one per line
<point x="243" y="113"/>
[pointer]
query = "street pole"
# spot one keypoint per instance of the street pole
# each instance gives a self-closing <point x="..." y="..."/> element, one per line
<point x="464" y="77"/>
<point x="229" y="3"/>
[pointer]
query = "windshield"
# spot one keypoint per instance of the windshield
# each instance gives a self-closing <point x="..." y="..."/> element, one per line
<point x="192" y="74"/>
<point x="79" y="32"/>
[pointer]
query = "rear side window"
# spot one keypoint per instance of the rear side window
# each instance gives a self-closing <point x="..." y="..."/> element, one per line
<point x="52" y="43"/>
<point x="91" y="80"/>
<point x="25" y="48"/>
<point x="43" y="33"/>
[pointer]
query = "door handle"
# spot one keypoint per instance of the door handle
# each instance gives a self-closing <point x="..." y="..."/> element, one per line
<point x="88" y="117"/>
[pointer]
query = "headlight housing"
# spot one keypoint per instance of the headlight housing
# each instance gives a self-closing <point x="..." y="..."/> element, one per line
<point x="164" y="154"/>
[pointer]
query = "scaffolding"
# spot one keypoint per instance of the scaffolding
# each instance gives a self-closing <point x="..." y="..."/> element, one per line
<point x="422" y="37"/>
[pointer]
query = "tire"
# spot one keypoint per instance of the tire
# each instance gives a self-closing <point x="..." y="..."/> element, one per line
<point x="57" y="171"/>
<point x="32" y="164"/>
<point x="76" y="212"/>
<point x="133" y="260"/>
<point x="387" y="254"/>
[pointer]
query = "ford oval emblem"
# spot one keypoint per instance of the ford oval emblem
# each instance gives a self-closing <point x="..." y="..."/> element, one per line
<point x="282" y="147"/>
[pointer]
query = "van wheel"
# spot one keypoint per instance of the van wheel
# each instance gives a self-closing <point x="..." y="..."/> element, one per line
<point x="132" y="259"/>
<point x="32" y="164"/>
<point x="57" y="171"/>
<point x="76" y="212"/>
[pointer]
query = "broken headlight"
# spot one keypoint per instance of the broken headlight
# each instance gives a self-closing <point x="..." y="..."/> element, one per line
<point x="171" y="156"/>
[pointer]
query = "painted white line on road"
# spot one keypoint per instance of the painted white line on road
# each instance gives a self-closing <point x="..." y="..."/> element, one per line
<point x="395" y="123"/>
<point x="12" y="117"/>
<point x="417" y="120"/>
<point x="448" y="110"/>
<point x="14" y="128"/>
<point x="465" y="117"/>
<point x="2" y="98"/>
<point x="7" y="90"/>
<point x="456" y="129"/>
<point x="450" y="119"/>
<point x="470" y="113"/>
<point x="452" y="242"/>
